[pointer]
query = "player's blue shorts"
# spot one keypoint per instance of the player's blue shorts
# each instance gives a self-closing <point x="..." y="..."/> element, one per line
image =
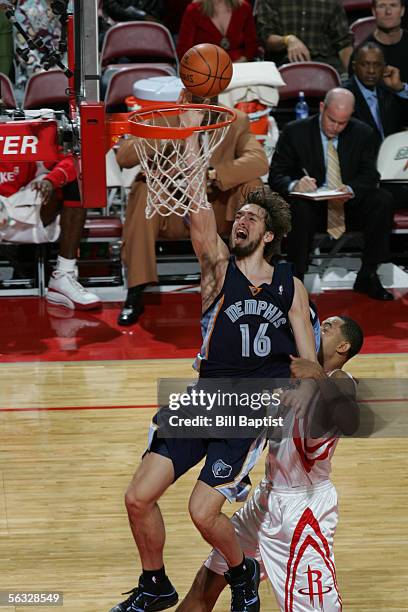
<point x="227" y="461"/>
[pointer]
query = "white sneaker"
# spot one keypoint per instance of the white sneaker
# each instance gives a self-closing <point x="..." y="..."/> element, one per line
<point x="64" y="289"/>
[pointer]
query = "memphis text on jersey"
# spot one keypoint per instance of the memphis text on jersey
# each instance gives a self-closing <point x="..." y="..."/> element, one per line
<point x="270" y="312"/>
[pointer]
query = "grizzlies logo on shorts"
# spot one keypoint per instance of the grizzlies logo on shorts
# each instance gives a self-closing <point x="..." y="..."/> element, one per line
<point x="221" y="469"/>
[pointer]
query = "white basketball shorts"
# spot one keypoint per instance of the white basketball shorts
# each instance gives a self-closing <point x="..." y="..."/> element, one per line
<point x="290" y="532"/>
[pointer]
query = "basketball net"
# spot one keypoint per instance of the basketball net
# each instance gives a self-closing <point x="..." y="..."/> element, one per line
<point x="174" y="146"/>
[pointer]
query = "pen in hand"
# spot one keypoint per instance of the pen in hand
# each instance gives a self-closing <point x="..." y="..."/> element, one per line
<point x="306" y="183"/>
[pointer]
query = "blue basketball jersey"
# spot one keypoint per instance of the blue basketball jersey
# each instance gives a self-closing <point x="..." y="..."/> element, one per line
<point x="246" y="331"/>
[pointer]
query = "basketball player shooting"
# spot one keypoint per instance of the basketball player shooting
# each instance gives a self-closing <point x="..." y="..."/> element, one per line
<point x="289" y="523"/>
<point x="273" y="322"/>
<point x="251" y="345"/>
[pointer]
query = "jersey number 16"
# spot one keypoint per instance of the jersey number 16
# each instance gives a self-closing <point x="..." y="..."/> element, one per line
<point x="262" y="343"/>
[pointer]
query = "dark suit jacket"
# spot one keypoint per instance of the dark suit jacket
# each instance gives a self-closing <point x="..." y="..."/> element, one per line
<point x="393" y="110"/>
<point x="300" y="146"/>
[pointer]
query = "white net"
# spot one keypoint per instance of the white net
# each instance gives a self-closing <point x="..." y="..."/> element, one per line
<point x="175" y="156"/>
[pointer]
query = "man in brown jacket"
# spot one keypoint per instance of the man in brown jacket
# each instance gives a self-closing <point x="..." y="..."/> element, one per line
<point x="237" y="164"/>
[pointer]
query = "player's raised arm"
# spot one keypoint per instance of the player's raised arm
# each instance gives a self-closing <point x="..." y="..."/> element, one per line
<point x="207" y="244"/>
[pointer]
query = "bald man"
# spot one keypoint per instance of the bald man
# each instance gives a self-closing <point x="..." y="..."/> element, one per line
<point x="300" y="164"/>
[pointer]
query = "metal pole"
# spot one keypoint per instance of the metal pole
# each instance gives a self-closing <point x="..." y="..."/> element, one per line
<point x="91" y="58"/>
<point x="86" y="16"/>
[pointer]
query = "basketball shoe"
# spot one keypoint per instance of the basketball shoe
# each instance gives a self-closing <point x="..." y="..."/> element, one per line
<point x="65" y="290"/>
<point x="244" y="588"/>
<point x="153" y="598"/>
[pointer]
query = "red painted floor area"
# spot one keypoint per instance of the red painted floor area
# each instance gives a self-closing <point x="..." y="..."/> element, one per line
<point x="32" y="330"/>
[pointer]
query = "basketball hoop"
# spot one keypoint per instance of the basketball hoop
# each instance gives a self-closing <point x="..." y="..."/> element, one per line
<point x="174" y="146"/>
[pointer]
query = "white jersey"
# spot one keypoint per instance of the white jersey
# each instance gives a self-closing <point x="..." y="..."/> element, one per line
<point x="289" y="523"/>
<point x="297" y="460"/>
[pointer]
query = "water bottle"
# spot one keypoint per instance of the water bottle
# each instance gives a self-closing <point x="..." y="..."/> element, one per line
<point x="302" y="107"/>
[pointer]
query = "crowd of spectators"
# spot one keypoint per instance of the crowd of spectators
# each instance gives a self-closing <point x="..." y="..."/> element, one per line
<point x="373" y="105"/>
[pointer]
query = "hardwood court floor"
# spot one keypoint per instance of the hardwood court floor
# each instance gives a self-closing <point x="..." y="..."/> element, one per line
<point x="71" y="436"/>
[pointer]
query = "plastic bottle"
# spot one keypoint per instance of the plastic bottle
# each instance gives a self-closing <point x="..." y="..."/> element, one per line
<point x="302" y="107"/>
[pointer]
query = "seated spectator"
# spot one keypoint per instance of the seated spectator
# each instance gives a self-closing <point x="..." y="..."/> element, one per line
<point x="236" y="163"/>
<point x="31" y="211"/>
<point x="309" y="31"/>
<point x="226" y="23"/>
<point x="334" y="150"/>
<point x="381" y="102"/>
<point x="389" y="34"/>
<point x="133" y="10"/>
<point x="381" y="98"/>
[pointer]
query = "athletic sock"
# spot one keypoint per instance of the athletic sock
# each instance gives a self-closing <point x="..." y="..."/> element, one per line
<point x="65" y="265"/>
<point x="154" y="576"/>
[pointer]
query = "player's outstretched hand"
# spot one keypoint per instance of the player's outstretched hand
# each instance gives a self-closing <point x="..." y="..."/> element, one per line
<point x="44" y="189"/>
<point x="299" y="399"/>
<point x="303" y="368"/>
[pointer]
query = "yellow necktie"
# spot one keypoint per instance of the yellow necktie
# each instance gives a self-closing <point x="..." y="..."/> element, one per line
<point x="336" y="225"/>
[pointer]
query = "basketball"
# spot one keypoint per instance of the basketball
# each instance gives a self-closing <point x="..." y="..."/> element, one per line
<point x="206" y="70"/>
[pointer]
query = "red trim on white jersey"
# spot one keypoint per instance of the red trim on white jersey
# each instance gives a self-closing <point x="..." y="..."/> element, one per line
<point x="305" y="450"/>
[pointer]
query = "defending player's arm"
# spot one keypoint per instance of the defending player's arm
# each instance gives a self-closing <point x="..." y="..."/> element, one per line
<point x="338" y="399"/>
<point x="299" y="317"/>
<point x="337" y="402"/>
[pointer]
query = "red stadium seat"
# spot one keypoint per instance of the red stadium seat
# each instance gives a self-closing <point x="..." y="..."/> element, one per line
<point x="47" y="90"/>
<point x="121" y="83"/>
<point x="314" y="78"/>
<point x="7" y="92"/>
<point x="361" y="29"/>
<point x="102" y="228"/>
<point x="138" y="39"/>
<point x="356" y="5"/>
<point x="400" y="225"/>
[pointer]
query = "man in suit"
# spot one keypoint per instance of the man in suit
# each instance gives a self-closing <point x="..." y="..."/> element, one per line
<point x="305" y="156"/>
<point x="236" y="164"/>
<point x="381" y="98"/>
<point x="381" y="102"/>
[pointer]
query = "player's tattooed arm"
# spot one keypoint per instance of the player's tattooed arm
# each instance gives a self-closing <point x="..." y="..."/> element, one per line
<point x="211" y="252"/>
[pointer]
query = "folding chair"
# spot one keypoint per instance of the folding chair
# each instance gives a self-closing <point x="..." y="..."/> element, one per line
<point x="361" y="29"/>
<point x="139" y="40"/>
<point x="121" y="83"/>
<point x="47" y="90"/>
<point x="313" y="78"/>
<point x="7" y="92"/>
